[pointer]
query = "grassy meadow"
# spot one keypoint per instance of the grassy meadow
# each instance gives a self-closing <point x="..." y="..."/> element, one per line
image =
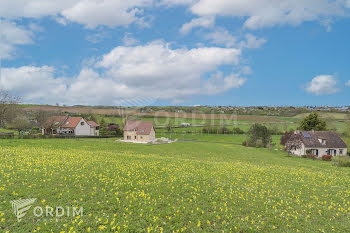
<point x="179" y="187"/>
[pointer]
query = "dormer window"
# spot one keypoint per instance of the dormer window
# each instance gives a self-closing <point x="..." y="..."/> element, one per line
<point x="322" y="141"/>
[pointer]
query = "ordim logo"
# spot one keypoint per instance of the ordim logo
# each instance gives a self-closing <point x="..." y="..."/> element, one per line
<point x="20" y="207"/>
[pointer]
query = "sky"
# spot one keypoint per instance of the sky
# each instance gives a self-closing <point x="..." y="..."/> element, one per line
<point x="176" y="52"/>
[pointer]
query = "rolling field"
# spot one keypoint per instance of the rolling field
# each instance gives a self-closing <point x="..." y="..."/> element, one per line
<point x="180" y="187"/>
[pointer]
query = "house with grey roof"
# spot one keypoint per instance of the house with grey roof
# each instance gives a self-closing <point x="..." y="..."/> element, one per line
<point x="318" y="143"/>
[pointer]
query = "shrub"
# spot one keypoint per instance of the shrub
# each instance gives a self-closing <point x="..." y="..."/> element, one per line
<point x="260" y="144"/>
<point x="311" y="156"/>
<point x="259" y="136"/>
<point x="237" y="130"/>
<point x="341" y="161"/>
<point x="327" y="157"/>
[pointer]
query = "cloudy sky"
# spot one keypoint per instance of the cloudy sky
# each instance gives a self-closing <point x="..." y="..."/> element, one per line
<point x="176" y="52"/>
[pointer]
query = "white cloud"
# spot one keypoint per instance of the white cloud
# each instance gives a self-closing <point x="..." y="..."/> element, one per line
<point x="33" y="83"/>
<point x="205" y="22"/>
<point x="252" y="42"/>
<point x="97" y="37"/>
<point x="128" y="40"/>
<point x="10" y="36"/>
<point x="90" y="13"/>
<point x="222" y="37"/>
<point x="348" y="83"/>
<point x="218" y="83"/>
<point x="323" y="85"/>
<point x="175" y="2"/>
<point x="152" y="71"/>
<point x="110" y="13"/>
<point x="268" y="13"/>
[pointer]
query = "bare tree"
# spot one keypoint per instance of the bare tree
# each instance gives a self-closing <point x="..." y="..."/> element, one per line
<point x="294" y="143"/>
<point x="42" y="116"/>
<point x="20" y="123"/>
<point x="7" y="104"/>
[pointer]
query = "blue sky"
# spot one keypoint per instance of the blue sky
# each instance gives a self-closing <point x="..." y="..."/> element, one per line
<point x="176" y="52"/>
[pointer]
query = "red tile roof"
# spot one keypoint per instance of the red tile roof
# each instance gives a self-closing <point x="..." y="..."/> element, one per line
<point x="93" y="124"/>
<point x="63" y="121"/>
<point x="141" y="127"/>
<point x="71" y="122"/>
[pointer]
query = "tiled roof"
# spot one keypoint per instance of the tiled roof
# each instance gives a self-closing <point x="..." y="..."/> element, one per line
<point x="141" y="127"/>
<point x="92" y="123"/>
<point x="311" y="139"/>
<point x="62" y="121"/>
<point x="71" y="122"/>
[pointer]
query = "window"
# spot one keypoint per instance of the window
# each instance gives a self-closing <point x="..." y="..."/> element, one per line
<point x="340" y="151"/>
<point x="135" y="137"/>
<point x="82" y="123"/>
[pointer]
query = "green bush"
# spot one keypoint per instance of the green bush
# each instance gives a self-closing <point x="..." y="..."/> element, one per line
<point x="341" y="161"/>
<point x="237" y="130"/>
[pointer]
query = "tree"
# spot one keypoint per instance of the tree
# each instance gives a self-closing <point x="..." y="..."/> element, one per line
<point x="103" y="127"/>
<point x="294" y="143"/>
<point x="93" y="118"/>
<point x="313" y="122"/>
<point x="8" y="104"/>
<point x="259" y="135"/>
<point x="285" y="137"/>
<point x="169" y="127"/>
<point x="114" y="128"/>
<point x="20" y="123"/>
<point x="42" y="116"/>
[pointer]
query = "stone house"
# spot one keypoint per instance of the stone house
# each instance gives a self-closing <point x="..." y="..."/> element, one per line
<point x="141" y="131"/>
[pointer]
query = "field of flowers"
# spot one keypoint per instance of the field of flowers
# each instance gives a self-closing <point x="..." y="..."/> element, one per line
<point x="179" y="187"/>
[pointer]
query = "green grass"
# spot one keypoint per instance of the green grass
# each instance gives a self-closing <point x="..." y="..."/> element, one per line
<point x="194" y="187"/>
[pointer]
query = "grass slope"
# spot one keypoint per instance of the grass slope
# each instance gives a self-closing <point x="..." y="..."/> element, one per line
<point x="184" y="186"/>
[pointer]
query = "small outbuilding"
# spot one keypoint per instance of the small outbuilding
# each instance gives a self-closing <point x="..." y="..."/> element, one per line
<point x="141" y="131"/>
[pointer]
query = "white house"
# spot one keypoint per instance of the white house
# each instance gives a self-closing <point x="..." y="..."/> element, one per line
<point x="66" y="125"/>
<point x="94" y="128"/>
<point x="318" y="143"/>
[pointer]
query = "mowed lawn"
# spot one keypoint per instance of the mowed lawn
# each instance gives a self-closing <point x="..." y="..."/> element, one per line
<point x="180" y="187"/>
